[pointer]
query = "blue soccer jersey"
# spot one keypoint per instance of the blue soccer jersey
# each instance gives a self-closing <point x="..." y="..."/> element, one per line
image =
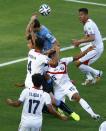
<point x="47" y="36"/>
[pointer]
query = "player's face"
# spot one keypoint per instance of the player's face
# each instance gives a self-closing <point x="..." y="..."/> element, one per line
<point x="83" y="17"/>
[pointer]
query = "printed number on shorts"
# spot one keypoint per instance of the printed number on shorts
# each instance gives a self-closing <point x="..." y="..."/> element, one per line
<point x="54" y="78"/>
<point x="71" y="89"/>
<point x="29" y="67"/>
<point x="33" y="105"/>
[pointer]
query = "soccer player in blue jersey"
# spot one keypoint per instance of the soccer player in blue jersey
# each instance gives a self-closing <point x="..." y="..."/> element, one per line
<point x="35" y="29"/>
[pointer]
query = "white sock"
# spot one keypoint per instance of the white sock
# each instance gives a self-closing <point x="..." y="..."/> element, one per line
<point x="89" y="76"/>
<point x="86" y="107"/>
<point x="86" y="68"/>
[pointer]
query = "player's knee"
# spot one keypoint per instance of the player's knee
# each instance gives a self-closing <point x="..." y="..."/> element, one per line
<point x="76" y="97"/>
<point x="77" y="63"/>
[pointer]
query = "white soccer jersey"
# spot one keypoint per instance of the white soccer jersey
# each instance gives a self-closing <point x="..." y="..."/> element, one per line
<point x="36" y="64"/>
<point x="59" y="74"/>
<point x="33" y="102"/>
<point x="62" y="84"/>
<point x="90" y="27"/>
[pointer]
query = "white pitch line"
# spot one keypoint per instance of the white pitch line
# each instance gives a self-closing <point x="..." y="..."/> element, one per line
<point x="85" y="2"/>
<point x="13" y="62"/>
<point x="24" y="59"/>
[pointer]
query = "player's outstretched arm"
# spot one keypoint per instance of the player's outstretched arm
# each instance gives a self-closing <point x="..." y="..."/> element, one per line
<point x="86" y="39"/>
<point x="53" y="111"/>
<point x="83" y="53"/>
<point x="29" y="26"/>
<point x="13" y="103"/>
<point x="56" y="46"/>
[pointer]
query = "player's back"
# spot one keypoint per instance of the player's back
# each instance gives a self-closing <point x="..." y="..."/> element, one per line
<point x="34" y="101"/>
<point x="47" y="36"/>
<point x="36" y="62"/>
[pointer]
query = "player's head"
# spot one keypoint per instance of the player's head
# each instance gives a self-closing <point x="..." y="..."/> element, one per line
<point x="37" y="80"/>
<point x="39" y="44"/>
<point x="36" y="25"/>
<point x="53" y="55"/>
<point x="83" y="15"/>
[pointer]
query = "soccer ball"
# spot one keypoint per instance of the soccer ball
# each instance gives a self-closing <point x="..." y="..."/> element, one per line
<point x="44" y="9"/>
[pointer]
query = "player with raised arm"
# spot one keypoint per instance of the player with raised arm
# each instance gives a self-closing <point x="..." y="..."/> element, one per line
<point x="36" y="64"/>
<point x="92" y="34"/>
<point x="33" y="100"/>
<point x="63" y="86"/>
<point x="41" y="31"/>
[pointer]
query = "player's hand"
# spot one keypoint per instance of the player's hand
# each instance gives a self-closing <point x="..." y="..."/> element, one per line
<point x="64" y="118"/>
<point x="20" y="85"/>
<point x="75" y="42"/>
<point x="9" y="101"/>
<point x="33" y="17"/>
<point x="90" y="48"/>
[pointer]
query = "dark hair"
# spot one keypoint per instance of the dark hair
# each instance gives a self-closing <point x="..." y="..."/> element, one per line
<point x="52" y="53"/>
<point x="36" y="23"/>
<point x="85" y="10"/>
<point x="39" y="43"/>
<point x="37" y="80"/>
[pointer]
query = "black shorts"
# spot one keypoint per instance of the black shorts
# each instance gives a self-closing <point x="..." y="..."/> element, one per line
<point x="47" y="87"/>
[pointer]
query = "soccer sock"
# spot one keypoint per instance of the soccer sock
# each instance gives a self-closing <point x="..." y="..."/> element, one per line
<point x="86" y="107"/>
<point x="86" y="68"/>
<point x="89" y="76"/>
<point x="63" y="106"/>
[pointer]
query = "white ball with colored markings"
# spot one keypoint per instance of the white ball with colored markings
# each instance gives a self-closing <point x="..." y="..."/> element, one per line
<point x="44" y="9"/>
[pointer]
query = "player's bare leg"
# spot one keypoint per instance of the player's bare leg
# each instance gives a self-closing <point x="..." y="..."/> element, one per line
<point x="85" y="106"/>
<point x="92" y="74"/>
<point x="64" y="107"/>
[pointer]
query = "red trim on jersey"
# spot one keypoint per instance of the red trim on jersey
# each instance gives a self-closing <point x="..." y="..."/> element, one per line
<point x="87" y="61"/>
<point x="62" y="72"/>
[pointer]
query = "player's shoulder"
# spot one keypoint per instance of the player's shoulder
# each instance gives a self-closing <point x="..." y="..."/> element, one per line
<point x="31" y="51"/>
<point x="63" y="59"/>
<point x="89" y="22"/>
<point x="45" y="94"/>
<point x="26" y="90"/>
<point x="43" y="56"/>
<point x="44" y="29"/>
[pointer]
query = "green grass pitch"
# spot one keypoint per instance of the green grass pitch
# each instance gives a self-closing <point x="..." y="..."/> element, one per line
<point x="63" y="22"/>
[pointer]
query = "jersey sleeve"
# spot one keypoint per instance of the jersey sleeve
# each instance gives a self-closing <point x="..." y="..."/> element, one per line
<point x="50" y="37"/>
<point x="47" y="99"/>
<point x="45" y="59"/>
<point x="67" y="60"/>
<point x="23" y="95"/>
<point x="89" y="29"/>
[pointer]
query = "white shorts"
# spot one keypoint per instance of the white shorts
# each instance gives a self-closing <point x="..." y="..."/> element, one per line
<point x="28" y="129"/>
<point x="28" y="82"/>
<point x="68" y="89"/>
<point x="91" y="57"/>
<point x="30" y="125"/>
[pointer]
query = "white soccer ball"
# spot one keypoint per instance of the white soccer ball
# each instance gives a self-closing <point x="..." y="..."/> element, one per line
<point x="44" y="9"/>
<point x="103" y="126"/>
